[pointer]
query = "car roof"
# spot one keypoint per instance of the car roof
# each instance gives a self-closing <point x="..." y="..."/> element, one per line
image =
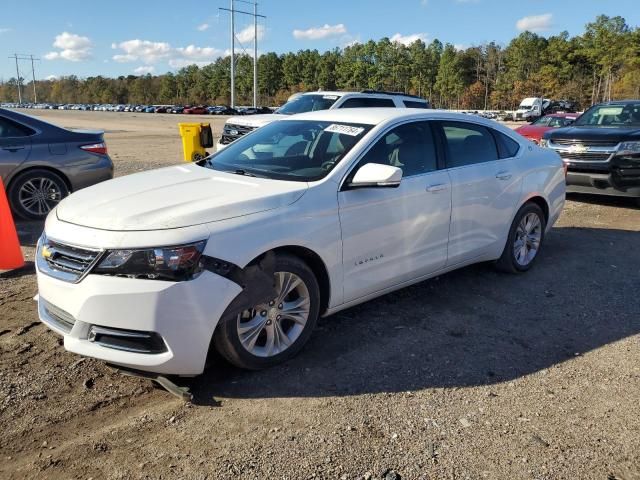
<point x="367" y="93"/>
<point x="375" y="116"/>
<point x="621" y="102"/>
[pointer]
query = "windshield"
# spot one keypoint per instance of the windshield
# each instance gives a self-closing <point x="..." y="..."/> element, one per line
<point x="542" y="122"/>
<point x="611" y="116"/>
<point x="307" y="103"/>
<point x="299" y="150"/>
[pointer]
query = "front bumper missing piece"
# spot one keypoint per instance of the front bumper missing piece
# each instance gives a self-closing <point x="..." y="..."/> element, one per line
<point x="183" y="393"/>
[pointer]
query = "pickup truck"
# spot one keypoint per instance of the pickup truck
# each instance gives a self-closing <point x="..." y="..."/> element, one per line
<point x="601" y="149"/>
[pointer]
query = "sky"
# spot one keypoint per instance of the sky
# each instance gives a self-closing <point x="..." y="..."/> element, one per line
<point x="117" y="37"/>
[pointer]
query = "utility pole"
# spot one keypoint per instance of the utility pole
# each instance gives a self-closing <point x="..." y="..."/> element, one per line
<point x="15" y="56"/>
<point x="33" y="76"/>
<point x="233" y="57"/>
<point x="255" y="55"/>
<point x="21" y="56"/>
<point x="255" y="48"/>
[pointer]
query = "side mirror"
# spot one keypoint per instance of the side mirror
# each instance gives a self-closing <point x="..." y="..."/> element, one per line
<point x="376" y="175"/>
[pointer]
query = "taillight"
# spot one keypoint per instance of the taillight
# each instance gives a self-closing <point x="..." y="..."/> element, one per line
<point x="99" y="148"/>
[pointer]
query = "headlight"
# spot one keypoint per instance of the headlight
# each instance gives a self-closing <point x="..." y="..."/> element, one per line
<point x="176" y="263"/>
<point x="544" y="142"/>
<point x="629" y="148"/>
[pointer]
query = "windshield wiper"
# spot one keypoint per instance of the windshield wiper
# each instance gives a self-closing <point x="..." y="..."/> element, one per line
<point x="240" y="171"/>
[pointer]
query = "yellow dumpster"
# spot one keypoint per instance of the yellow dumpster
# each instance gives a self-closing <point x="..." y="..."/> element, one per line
<point x="195" y="138"/>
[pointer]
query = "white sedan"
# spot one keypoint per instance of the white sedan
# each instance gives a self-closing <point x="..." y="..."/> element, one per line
<point x="309" y="215"/>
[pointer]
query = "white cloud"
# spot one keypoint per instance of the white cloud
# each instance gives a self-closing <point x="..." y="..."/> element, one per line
<point x="4" y="30"/>
<point x="460" y="46"/>
<point x="246" y="35"/>
<point x="535" y="23"/>
<point x="408" y="39"/>
<point x="424" y="3"/>
<point x="319" y="33"/>
<point x="144" y="69"/>
<point x="202" y="27"/>
<point x="351" y="42"/>
<point x="72" y="47"/>
<point x="151" y="53"/>
<point x="183" y="62"/>
<point x="51" y="77"/>
<point x="143" y="50"/>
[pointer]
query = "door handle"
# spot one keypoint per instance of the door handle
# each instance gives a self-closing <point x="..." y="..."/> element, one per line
<point x="438" y="187"/>
<point x="503" y="175"/>
<point x="13" y="148"/>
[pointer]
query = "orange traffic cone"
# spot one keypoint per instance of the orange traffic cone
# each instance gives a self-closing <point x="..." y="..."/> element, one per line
<point x="10" y="252"/>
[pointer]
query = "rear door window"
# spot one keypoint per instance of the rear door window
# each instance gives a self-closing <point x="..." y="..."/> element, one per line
<point x="367" y="102"/>
<point x="11" y="129"/>
<point x="415" y="104"/>
<point x="468" y="144"/>
<point x="507" y="147"/>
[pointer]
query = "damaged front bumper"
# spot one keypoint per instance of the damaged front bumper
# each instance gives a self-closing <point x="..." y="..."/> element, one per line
<point x="148" y="325"/>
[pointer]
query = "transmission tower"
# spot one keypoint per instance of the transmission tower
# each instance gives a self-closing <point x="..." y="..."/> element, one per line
<point x="255" y="16"/>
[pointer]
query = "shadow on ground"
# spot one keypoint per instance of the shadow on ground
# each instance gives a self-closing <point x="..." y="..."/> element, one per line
<point x="605" y="200"/>
<point x="470" y="327"/>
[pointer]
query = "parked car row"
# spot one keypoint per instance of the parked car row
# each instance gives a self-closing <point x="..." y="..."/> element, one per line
<point x="484" y="114"/>
<point x="185" y="109"/>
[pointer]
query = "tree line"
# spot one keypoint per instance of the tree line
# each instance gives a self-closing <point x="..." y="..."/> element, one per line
<point x="601" y="64"/>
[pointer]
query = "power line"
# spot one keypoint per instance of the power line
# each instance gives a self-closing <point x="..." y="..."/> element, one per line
<point x="255" y="16"/>
<point x="25" y="56"/>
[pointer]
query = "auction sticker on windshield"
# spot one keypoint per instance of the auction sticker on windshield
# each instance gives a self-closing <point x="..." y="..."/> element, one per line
<point x="344" y="129"/>
<point x="610" y="111"/>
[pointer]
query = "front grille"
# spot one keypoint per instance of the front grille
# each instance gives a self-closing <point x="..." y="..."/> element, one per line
<point x="232" y="132"/>
<point x="56" y="317"/>
<point x="586" y="156"/>
<point x="586" y="143"/>
<point x="65" y="262"/>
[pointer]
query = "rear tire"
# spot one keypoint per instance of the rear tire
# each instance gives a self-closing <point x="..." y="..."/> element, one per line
<point x="525" y="239"/>
<point x="271" y="333"/>
<point x="34" y="193"/>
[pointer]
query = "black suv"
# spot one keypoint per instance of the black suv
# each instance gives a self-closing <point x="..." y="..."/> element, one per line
<point x="602" y="149"/>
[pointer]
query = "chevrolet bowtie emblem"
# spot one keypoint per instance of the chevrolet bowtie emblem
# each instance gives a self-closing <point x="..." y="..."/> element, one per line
<point x="46" y="252"/>
<point x="578" y="148"/>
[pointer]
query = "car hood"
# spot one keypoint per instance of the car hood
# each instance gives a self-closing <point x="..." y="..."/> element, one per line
<point x="255" y="121"/>
<point x="174" y="197"/>
<point x="617" y="134"/>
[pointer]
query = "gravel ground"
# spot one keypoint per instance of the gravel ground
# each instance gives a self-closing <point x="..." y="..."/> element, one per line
<point x="470" y="375"/>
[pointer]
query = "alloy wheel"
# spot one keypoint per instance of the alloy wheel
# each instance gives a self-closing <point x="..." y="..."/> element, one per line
<point x="270" y="328"/>
<point x="527" y="239"/>
<point x="39" y="196"/>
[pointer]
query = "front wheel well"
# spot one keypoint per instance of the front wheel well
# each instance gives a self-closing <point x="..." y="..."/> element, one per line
<point x="316" y="264"/>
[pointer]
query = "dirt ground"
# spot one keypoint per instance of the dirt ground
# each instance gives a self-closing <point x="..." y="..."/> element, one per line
<point x="471" y="375"/>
